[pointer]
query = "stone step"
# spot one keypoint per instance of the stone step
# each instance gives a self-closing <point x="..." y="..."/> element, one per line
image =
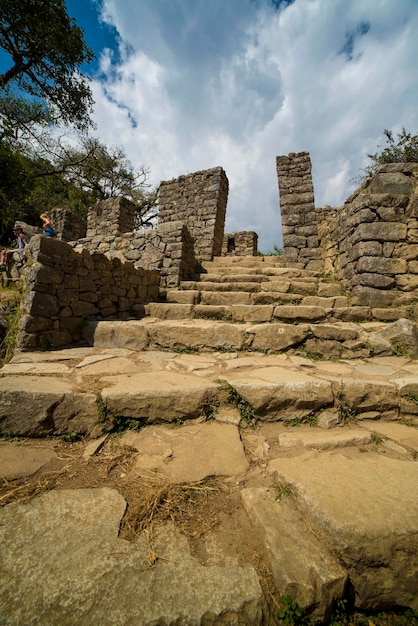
<point x="211" y="330"/>
<point x="302" y="286"/>
<point x="249" y="287"/>
<point x="76" y="388"/>
<point x="326" y="503"/>
<point x="231" y="278"/>
<point x="265" y="307"/>
<point x="254" y="268"/>
<point x="246" y="261"/>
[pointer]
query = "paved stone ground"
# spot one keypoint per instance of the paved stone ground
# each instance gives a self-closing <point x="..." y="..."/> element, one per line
<point x="202" y="517"/>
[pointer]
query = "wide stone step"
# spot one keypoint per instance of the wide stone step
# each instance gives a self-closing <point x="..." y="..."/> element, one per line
<point x="78" y="390"/>
<point x="245" y="261"/>
<point x="231" y="278"/>
<point x="249" y="287"/>
<point x="271" y="306"/>
<point x="211" y="330"/>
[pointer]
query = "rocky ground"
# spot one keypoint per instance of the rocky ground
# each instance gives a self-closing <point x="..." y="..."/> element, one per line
<point x="246" y="479"/>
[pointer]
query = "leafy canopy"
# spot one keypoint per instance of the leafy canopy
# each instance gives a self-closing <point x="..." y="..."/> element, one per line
<point x="46" y="50"/>
<point x="404" y="149"/>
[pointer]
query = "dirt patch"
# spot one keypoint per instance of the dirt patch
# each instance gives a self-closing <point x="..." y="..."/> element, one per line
<point x="209" y="512"/>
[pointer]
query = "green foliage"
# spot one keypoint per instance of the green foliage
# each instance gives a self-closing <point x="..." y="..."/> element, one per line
<point x="310" y="420"/>
<point x="210" y="409"/>
<point x="403" y="149"/>
<point x="291" y="614"/>
<point x="70" y="437"/>
<point x="113" y="422"/>
<point x="284" y="491"/>
<point x="45" y="50"/>
<point x="377" y="438"/>
<point x="346" y="412"/>
<point x="43" y="172"/>
<point x="244" y="407"/>
<point x="10" y="437"/>
<point x="275" y="252"/>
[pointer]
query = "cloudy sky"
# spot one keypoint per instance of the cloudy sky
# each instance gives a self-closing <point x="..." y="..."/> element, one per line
<point x="186" y="85"/>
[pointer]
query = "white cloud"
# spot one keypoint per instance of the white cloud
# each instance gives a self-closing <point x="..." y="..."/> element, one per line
<point x="199" y="84"/>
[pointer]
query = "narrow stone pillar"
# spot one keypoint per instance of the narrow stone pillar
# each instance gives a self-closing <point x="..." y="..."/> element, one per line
<point x="297" y="206"/>
<point x="199" y="200"/>
<point x="67" y="225"/>
<point x="113" y="216"/>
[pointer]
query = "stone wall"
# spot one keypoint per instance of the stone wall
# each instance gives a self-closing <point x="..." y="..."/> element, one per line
<point x="65" y="288"/>
<point x="113" y="216"/>
<point x="372" y="240"/>
<point x="243" y="243"/>
<point x="199" y="200"/>
<point x="67" y="225"/>
<point x="300" y="236"/>
<point x="168" y="249"/>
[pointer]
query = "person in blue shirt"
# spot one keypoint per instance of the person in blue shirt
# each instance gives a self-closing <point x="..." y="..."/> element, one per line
<point x="6" y="255"/>
<point x="47" y="226"/>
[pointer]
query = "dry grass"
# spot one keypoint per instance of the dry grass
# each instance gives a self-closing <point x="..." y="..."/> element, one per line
<point x="25" y="489"/>
<point x="155" y="503"/>
<point x="150" y="502"/>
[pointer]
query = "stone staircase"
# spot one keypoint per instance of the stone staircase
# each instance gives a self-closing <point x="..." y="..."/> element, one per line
<point x="265" y="290"/>
<point x="299" y="403"/>
<point x="258" y="304"/>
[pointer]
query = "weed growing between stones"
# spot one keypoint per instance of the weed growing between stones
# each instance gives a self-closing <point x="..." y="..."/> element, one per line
<point x="113" y="422"/>
<point x="377" y="438"/>
<point x="412" y="397"/>
<point x="244" y="407"/>
<point x="284" y="491"/>
<point x="9" y="437"/>
<point x="310" y="420"/>
<point x="346" y="412"/>
<point x="291" y="614"/>
<point x="210" y="410"/>
<point x="70" y="437"/>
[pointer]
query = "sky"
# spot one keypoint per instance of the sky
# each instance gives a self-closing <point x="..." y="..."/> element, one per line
<point x="187" y="85"/>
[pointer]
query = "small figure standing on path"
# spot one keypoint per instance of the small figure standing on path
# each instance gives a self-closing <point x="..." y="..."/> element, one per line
<point x="47" y="226"/>
<point x="6" y="255"/>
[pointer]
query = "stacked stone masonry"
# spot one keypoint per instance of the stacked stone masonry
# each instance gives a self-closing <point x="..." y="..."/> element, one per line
<point x="199" y="200"/>
<point x="372" y="240"/>
<point x="243" y="243"/>
<point x="113" y="216"/>
<point x="67" y="288"/>
<point x="168" y="249"/>
<point x="67" y="225"/>
<point x="300" y="236"/>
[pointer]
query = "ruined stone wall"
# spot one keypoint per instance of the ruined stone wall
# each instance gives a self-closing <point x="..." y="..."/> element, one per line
<point x="372" y="240"/>
<point x="113" y="216"/>
<point x="168" y="249"/>
<point x="242" y="243"/>
<point x="297" y="206"/>
<point x="65" y="288"/>
<point x="199" y="200"/>
<point x="67" y="225"/>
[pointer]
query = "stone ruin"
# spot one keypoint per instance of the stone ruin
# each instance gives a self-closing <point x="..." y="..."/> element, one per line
<point x="110" y="269"/>
<point x="371" y="241"/>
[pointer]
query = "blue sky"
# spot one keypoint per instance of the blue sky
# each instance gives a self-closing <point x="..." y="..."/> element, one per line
<point x="185" y="85"/>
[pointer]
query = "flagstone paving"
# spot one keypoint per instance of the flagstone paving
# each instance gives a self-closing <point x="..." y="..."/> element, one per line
<point x="274" y="503"/>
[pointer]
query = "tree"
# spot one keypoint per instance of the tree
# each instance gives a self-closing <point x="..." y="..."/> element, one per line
<point x="402" y="150"/>
<point x="46" y="50"/>
<point x="49" y="171"/>
<point x="106" y="172"/>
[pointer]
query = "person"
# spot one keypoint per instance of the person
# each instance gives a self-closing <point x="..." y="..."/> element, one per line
<point x="6" y="255"/>
<point x="47" y="226"/>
